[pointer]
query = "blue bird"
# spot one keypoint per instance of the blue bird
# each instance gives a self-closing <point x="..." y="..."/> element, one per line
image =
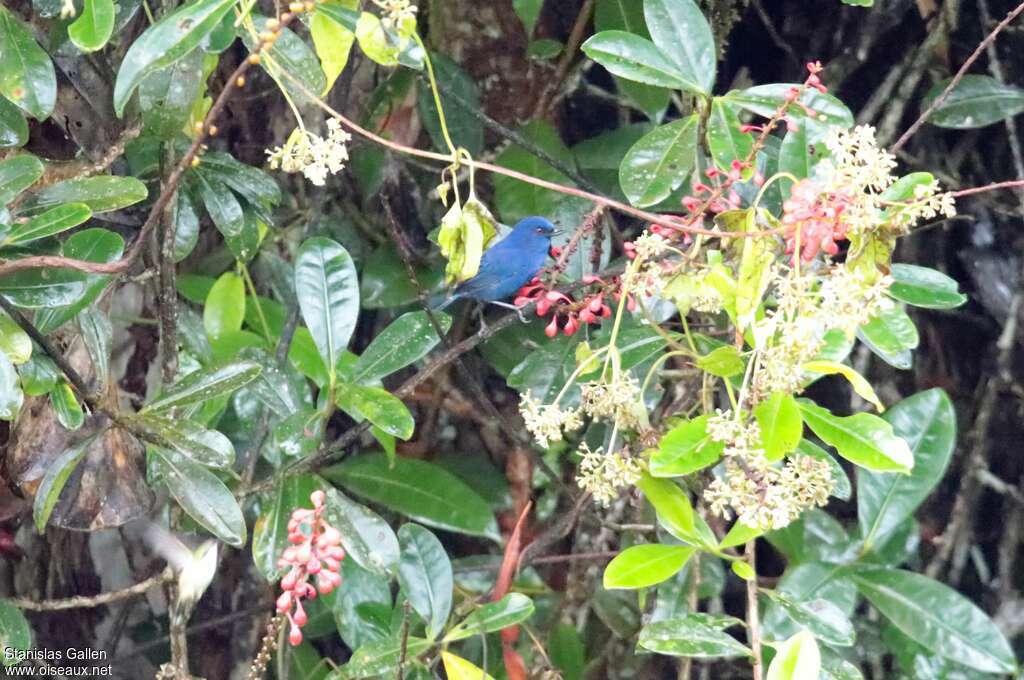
<point x="509" y="264"/>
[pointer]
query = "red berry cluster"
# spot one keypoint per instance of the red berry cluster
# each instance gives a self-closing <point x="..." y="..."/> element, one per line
<point x="591" y="309"/>
<point x="315" y="550"/>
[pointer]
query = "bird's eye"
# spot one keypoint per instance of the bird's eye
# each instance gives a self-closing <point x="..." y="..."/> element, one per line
<point x="539" y="230"/>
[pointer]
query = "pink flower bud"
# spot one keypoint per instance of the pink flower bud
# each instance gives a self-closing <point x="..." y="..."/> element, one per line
<point x="551" y="330"/>
<point x="299" y="618"/>
<point x="318" y="497"/>
<point x="295" y="636"/>
<point x="284" y="602"/>
<point x="313" y="566"/>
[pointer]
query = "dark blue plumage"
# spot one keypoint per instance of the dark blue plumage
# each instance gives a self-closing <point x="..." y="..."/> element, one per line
<point x="509" y="264"/>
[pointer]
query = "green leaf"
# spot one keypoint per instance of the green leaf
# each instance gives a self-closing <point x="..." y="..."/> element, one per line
<point x="57" y="474"/>
<point x="166" y="41"/>
<point x="464" y="127"/>
<point x="685" y="449"/>
<point x="18" y="174"/>
<point x="406" y="340"/>
<point x="976" y="101"/>
<point x="379" y="406"/>
<point x="365" y="536"/>
<point x="166" y="97"/>
<point x="724" y="362"/>
<point x="291" y="53"/>
<point x="800" y="153"/>
<point x="65" y="404"/>
<point x="696" y="636"/>
<point x="380" y="659"/>
<point x="375" y="42"/>
<point x="528" y="11"/>
<point x="224" y="309"/>
<point x="13" y="126"/>
<point x="53" y="221"/>
<point x="659" y="162"/>
<point x="640" y="566"/>
<point x="204" y="384"/>
<point x="94" y="26"/>
<point x="859" y="383"/>
<point x="567" y="652"/>
<point x="764" y="100"/>
<point x="270" y="532"/>
<point x="94" y="245"/>
<point x="891" y="335"/>
<point x="15" y="634"/>
<point x="328" y="293"/>
<point x="725" y="140"/>
<point x="425" y="575"/>
<point x="186" y="437"/>
<point x="637" y="59"/>
<point x="937" y="617"/>
<point x="512" y="609"/>
<point x="332" y="41"/>
<point x="824" y="619"/>
<point x="675" y="513"/>
<point x="101" y="194"/>
<point x="362" y="589"/>
<point x="628" y="15"/>
<point x="781" y="425"/>
<point x="27" y="77"/>
<point x="863" y="439"/>
<point x="420" y="490"/>
<point x="202" y="496"/>
<point x="927" y="421"/>
<point x="681" y="32"/>
<point x="14" y="341"/>
<point x="925" y="287"/>
<point x="798" y="658"/>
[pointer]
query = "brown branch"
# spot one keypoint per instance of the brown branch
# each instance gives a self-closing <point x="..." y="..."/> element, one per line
<point x="938" y="101"/>
<point x="547" y="96"/>
<point x="753" y="623"/>
<point x="82" y="602"/>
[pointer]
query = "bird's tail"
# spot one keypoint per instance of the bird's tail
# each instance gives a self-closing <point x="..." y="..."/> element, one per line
<point x="445" y="303"/>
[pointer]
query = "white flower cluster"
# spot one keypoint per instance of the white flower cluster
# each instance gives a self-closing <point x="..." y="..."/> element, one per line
<point x="848" y="300"/>
<point x="857" y="161"/>
<point x="312" y="155"/>
<point x="605" y="475"/>
<point x="546" y="421"/>
<point x="769" y="498"/>
<point x="617" y="401"/>
<point x="742" y="437"/>
<point x="398" y="14"/>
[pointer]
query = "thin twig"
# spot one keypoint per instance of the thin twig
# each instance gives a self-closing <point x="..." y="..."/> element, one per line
<point x="579" y="28"/>
<point x="83" y="602"/>
<point x="403" y="650"/>
<point x="753" y="622"/>
<point x="938" y="101"/>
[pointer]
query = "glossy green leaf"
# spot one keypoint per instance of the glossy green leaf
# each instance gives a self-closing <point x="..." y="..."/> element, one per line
<point x="166" y="41"/>
<point x="362" y="589"/>
<point x="799" y="154"/>
<point x="224" y="309"/>
<point x="54" y="479"/>
<point x="366" y="537"/>
<point x="659" y="162"/>
<point x="681" y="33"/>
<point x="97" y="334"/>
<point x="186" y="437"/>
<point x="15" y="633"/>
<point x="675" y="513"/>
<point x="406" y="340"/>
<point x="457" y="668"/>
<point x="270" y="532"/>
<point x="724" y="362"/>
<point x="380" y="659"/>
<point x="291" y="53"/>
<point x="65" y="405"/>
<point x="860" y="384"/>
<point x="101" y="194"/>
<point x="824" y="619"/>
<point x="725" y="140"/>
<point x="38" y="375"/>
<point x="166" y="96"/>
<point x="976" y="101"/>
<point x="891" y="334"/>
<point x="18" y="174"/>
<point x="637" y="59"/>
<point x="94" y="26"/>
<point x="203" y="384"/>
<point x="925" y="287"/>
<point x="53" y="221"/>
<point x="202" y="495"/>
<point x="14" y="341"/>
<point x="512" y="609"/>
<point x="640" y="566"/>
<point x="464" y="127"/>
<point x="332" y="41"/>
<point x="778" y="416"/>
<point x="628" y="15"/>
<point x="379" y="406"/>
<point x="328" y="293"/>
<point x="764" y="100"/>
<point x="374" y="40"/>
<point x="863" y="439"/>
<point x="425" y="575"/>
<point x="698" y="636"/>
<point x="94" y="245"/>
<point x="27" y="77"/>
<point x="685" y="449"/>
<point x="420" y="490"/>
<point x="937" y="617"/>
<point x="927" y="421"/>
<point x="798" y="658"/>
<point x="13" y="126"/>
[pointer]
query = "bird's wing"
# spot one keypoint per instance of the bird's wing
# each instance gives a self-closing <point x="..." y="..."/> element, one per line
<point x="486" y="279"/>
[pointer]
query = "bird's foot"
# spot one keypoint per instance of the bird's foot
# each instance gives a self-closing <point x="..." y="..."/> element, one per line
<point x="518" y="310"/>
